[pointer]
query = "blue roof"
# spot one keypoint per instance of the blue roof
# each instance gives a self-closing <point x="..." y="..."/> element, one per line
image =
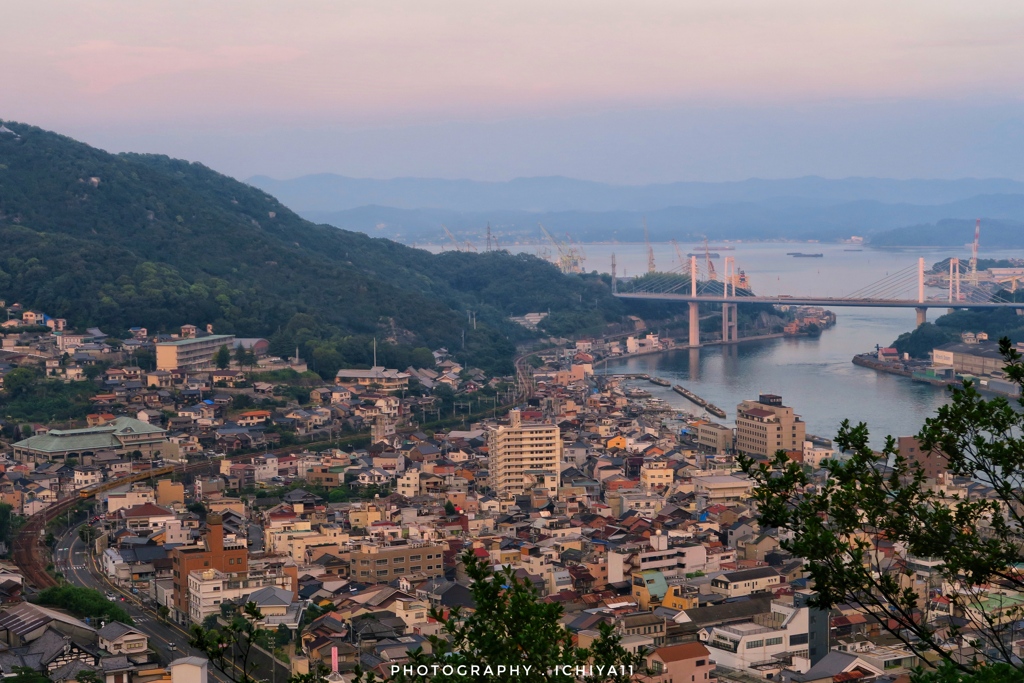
<point x="208" y="402"/>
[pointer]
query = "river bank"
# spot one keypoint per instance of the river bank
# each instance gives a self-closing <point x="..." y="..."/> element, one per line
<point x="917" y="371"/>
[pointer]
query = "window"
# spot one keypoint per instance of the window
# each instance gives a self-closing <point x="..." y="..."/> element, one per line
<point x="398" y="560"/>
<point x="751" y="644"/>
<point x="699" y="662"/>
<point x="798" y="639"/>
<point x="416" y="568"/>
<point x="381" y="563"/>
<point x="773" y="641"/>
<point x="382" y="572"/>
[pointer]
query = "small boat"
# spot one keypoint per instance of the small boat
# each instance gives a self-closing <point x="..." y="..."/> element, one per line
<point x="659" y="381"/>
<point x="853" y="250"/>
<point x="637" y="393"/>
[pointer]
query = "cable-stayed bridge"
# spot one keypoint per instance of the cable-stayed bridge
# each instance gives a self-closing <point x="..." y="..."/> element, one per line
<point x="697" y="283"/>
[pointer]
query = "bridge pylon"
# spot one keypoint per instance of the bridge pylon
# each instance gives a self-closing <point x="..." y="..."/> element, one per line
<point x="922" y="315"/>
<point x="730" y="324"/>
<point x="694" y="315"/>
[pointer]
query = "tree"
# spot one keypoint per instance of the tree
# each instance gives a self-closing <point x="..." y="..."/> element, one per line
<point x="449" y="508"/>
<point x="26" y="674"/>
<point x="222" y="358"/>
<point x="88" y="676"/>
<point x="510" y="627"/>
<point x="83" y="602"/>
<point x="873" y="499"/>
<point x="282" y="636"/>
<point x="230" y="648"/>
<point x="19" y="381"/>
<point x="87" y="533"/>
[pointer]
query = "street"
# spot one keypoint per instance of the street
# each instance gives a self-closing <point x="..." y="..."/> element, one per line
<point x="168" y="639"/>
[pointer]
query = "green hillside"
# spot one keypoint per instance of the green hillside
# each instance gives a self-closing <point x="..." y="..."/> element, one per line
<point x="129" y="239"/>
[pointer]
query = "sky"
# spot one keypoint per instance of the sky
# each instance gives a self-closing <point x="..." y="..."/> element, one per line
<point x="625" y="92"/>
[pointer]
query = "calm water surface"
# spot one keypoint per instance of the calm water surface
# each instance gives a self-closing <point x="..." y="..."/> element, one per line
<point x="815" y="376"/>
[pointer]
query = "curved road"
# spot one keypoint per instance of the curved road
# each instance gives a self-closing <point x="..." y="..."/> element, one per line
<point x="168" y="639"/>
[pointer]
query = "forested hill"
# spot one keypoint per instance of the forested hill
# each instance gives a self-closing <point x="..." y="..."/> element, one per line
<point x="129" y="239"/>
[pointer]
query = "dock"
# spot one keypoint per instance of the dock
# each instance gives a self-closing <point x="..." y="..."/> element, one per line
<point x="694" y="398"/>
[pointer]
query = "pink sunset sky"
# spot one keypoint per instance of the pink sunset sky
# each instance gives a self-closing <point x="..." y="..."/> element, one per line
<point x="618" y="91"/>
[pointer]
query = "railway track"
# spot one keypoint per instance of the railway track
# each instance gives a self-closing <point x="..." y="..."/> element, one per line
<point x="28" y="544"/>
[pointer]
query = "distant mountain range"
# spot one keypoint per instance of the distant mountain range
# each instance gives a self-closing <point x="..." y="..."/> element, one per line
<point x="413" y="209"/>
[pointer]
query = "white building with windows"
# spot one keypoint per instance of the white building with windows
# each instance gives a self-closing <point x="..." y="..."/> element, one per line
<point x="767" y="644"/>
<point x="209" y="588"/>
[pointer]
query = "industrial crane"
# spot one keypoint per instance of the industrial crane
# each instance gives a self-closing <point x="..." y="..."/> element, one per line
<point x="650" y="250"/>
<point x="578" y="246"/>
<point x="459" y="246"/>
<point x="679" y="254"/>
<point x="712" y="275"/>
<point x="1012" y="279"/>
<point x="568" y="258"/>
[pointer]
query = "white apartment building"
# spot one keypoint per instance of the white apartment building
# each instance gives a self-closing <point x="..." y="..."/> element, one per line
<point x="208" y="588"/>
<point x="672" y="561"/>
<point x="523" y="457"/>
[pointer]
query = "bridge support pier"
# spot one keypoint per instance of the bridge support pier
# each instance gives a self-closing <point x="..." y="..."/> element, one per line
<point x="694" y="316"/>
<point x="922" y="315"/>
<point x="730" y="326"/>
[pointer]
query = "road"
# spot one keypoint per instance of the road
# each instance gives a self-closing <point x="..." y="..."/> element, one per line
<point x="168" y="639"/>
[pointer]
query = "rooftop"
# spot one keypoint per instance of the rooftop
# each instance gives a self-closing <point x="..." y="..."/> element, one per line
<point x="196" y="340"/>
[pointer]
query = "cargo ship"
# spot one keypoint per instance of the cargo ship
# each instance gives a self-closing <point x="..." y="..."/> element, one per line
<point x="800" y="254"/>
<point x="659" y="381"/>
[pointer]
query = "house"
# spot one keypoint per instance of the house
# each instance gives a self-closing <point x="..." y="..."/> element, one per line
<point x="117" y="638"/>
<point x="684" y="662"/>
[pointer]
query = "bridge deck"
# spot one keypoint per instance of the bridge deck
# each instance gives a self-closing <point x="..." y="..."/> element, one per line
<point x="824" y="302"/>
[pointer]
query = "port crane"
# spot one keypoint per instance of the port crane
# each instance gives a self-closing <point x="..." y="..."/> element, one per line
<point x="578" y="246"/>
<point x="459" y="246"/>
<point x="679" y="254"/>
<point x="1012" y="280"/>
<point x="568" y="257"/>
<point x="650" y="250"/>
<point x="712" y="275"/>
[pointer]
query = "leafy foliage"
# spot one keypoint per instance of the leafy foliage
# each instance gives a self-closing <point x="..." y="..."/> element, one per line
<point x="30" y="397"/>
<point x="230" y="647"/>
<point x="83" y="602"/>
<point x="124" y="240"/>
<point x="871" y="497"/>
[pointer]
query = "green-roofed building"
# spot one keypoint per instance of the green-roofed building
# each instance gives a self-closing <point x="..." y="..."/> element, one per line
<point x="121" y="435"/>
<point x="649" y="588"/>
